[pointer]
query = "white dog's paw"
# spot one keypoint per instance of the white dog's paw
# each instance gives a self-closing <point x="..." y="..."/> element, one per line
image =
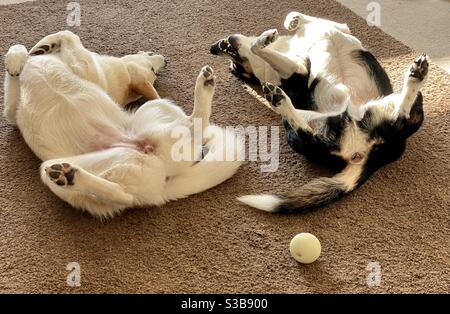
<point x="61" y="174"/>
<point x="293" y="21"/>
<point x="206" y="76"/>
<point x="15" y="59"/>
<point x="265" y="39"/>
<point x="43" y="48"/>
<point x="53" y="42"/>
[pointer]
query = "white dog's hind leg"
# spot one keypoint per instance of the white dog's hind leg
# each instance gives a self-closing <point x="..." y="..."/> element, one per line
<point x="279" y="62"/>
<point x="80" y="188"/>
<point x="54" y="42"/>
<point x="15" y="59"/>
<point x="203" y="95"/>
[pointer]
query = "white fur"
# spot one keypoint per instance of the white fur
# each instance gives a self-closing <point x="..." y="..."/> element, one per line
<point x="265" y="202"/>
<point x="67" y="106"/>
<point x="327" y="44"/>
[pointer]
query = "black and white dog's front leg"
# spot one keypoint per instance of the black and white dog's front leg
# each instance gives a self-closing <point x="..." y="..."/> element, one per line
<point x="279" y="62"/>
<point x="281" y="103"/>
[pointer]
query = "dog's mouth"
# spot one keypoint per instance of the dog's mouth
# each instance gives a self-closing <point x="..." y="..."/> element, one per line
<point x="228" y="46"/>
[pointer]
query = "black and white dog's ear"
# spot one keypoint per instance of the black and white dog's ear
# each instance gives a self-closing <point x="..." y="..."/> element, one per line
<point x="240" y="72"/>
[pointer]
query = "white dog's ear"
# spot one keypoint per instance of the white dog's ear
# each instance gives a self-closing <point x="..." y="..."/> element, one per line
<point x="158" y="62"/>
<point x="147" y="90"/>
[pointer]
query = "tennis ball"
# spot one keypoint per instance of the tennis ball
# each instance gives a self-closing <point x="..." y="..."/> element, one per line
<point x="305" y="248"/>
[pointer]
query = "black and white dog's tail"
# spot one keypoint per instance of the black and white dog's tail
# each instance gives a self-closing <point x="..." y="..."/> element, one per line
<point x="315" y="194"/>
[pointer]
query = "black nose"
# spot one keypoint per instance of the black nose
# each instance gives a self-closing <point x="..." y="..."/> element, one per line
<point x="215" y="49"/>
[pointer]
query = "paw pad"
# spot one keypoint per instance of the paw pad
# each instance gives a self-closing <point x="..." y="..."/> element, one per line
<point x="273" y="94"/>
<point x="267" y="38"/>
<point x="293" y="21"/>
<point x="61" y="174"/>
<point x="419" y="69"/>
<point x="208" y="74"/>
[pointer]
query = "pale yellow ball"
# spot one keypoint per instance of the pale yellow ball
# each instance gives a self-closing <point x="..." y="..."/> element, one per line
<point x="305" y="248"/>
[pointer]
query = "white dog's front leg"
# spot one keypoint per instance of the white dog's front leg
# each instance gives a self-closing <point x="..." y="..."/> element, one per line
<point x="203" y="95"/>
<point x="15" y="60"/>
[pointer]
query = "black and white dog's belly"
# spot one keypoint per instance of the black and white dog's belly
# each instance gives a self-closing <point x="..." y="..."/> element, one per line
<point x="314" y="149"/>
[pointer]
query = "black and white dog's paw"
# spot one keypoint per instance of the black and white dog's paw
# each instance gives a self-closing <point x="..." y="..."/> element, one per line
<point x="265" y="39"/>
<point x="293" y="21"/>
<point x="274" y="95"/>
<point x="418" y="71"/>
<point x="61" y="174"/>
<point x="206" y="76"/>
<point x="15" y="59"/>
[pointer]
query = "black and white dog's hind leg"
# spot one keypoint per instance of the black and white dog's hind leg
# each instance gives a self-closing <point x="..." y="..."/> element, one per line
<point x="415" y="78"/>
<point x="398" y="115"/>
<point x="15" y="60"/>
<point x="295" y="20"/>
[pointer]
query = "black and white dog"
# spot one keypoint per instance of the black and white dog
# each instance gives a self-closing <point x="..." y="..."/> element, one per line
<point x="336" y="101"/>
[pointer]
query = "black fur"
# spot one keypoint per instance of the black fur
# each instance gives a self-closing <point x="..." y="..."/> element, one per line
<point x="393" y="136"/>
<point x="374" y="69"/>
<point x="239" y="71"/>
<point x="317" y="148"/>
<point x="296" y="87"/>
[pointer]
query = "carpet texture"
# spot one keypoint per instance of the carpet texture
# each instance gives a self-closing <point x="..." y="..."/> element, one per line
<point x="209" y="242"/>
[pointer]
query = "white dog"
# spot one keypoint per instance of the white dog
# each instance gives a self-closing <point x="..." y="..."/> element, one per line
<point x="98" y="157"/>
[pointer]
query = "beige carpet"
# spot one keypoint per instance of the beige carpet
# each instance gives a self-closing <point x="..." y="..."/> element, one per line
<point x="210" y="243"/>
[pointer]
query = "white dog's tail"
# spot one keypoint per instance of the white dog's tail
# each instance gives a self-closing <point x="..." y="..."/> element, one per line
<point x="317" y="193"/>
<point x="219" y="164"/>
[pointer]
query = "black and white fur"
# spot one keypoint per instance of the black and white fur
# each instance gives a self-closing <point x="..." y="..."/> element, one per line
<point x="336" y="101"/>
